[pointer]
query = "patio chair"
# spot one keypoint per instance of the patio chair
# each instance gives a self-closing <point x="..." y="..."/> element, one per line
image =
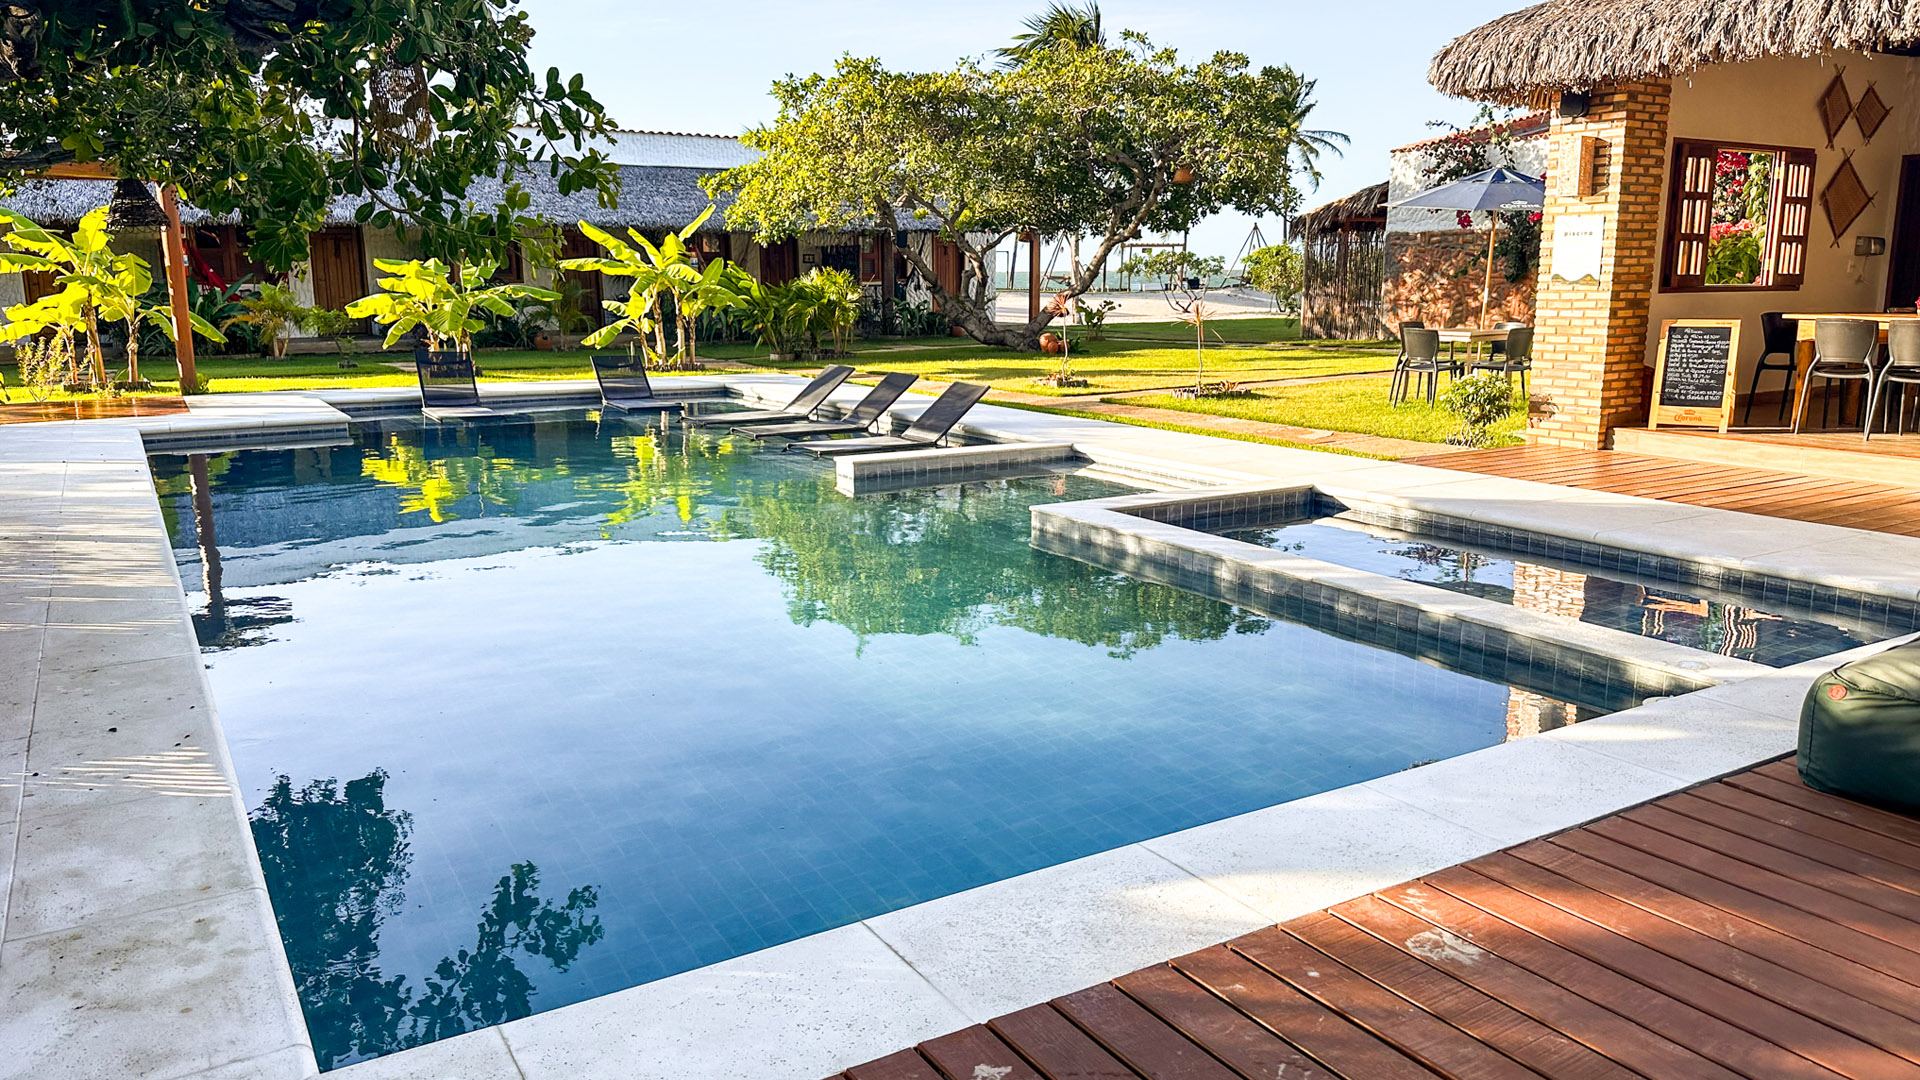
<point x="932" y="426"/>
<point x="624" y="386"/>
<point x="801" y="407"/>
<point x="1780" y="336"/>
<point x="447" y="387"/>
<point x="1515" y="358"/>
<point x="1399" y="362"/>
<point x="860" y="418"/>
<point x="1902" y="367"/>
<point x="1843" y="351"/>
<point x="1420" y="356"/>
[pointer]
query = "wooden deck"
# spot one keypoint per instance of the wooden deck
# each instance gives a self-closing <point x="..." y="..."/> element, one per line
<point x="1857" y="504"/>
<point x="1746" y="928"/>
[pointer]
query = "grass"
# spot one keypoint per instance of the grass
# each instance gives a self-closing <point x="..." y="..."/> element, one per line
<point x="1191" y="429"/>
<point x="1252" y="330"/>
<point x="1113" y="367"/>
<point x="1354" y="405"/>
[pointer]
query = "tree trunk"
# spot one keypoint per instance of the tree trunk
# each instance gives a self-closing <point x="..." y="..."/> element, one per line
<point x="93" y="347"/>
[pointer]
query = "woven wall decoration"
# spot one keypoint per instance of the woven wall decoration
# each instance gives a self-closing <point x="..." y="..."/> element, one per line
<point x="1835" y="106"/>
<point x="1870" y="112"/>
<point x="1845" y="198"/>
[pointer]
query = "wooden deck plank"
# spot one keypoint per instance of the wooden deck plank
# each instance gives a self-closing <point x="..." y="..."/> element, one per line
<point x="1746" y="929"/>
<point x="1832" y="969"/>
<point x="1819" y="1012"/>
<point x="1129" y="1032"/>
<point x="976" y="1052"/>
<point x="1513" y="1033"/>
<point x="1603" y="1030"/>
<point x="1246" y="1047"/>
<point x="1057" y="1048"/>
<point x="1331" y="1038"/>
<point x="1439" y="1045"/>
<point x="1773" y="1024"/>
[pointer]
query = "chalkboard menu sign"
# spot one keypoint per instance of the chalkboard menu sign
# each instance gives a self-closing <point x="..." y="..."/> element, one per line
<point x="1693" y="380"/>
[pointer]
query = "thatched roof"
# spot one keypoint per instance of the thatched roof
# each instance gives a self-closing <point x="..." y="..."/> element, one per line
<point x="1524" y="57"/>
<point x="1366" y="207"/>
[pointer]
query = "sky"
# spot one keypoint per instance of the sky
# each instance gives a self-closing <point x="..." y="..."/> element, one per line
<point x="691" y="67"/>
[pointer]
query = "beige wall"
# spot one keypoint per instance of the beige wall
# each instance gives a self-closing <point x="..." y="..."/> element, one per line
<point x="1773" y="103"/>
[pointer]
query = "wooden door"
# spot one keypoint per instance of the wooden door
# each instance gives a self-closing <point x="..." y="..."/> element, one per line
<point x="1903" y="266"/>
<point x="38" y="283"/>
<point x="780" y="263"/>
<point x="574" y="244"/>
<point x="339" y="268"/>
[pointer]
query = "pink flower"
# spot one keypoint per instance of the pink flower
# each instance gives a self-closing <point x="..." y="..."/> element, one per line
<point x="1534" y="218"/>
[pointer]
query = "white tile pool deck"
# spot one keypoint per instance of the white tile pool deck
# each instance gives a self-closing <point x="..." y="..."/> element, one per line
<point x="138" y="939"/>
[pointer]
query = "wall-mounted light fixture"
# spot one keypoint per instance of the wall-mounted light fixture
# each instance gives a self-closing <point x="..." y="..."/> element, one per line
<point x="1869" y="245"/>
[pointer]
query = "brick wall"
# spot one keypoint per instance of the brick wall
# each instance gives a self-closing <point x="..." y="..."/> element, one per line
<point x="1436" y="277"/>
<point x="1591" y="338"/>
<point x="1546" y="591"/>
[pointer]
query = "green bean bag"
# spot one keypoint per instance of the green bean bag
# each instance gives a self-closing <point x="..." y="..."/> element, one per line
<point x="1860" y="730"/>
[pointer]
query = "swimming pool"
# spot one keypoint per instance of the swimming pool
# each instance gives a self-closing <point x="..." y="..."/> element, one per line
<point x="1766" y="630"/>
<point x="534" y="710"/>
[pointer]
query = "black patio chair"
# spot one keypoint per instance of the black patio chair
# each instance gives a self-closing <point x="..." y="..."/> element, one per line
<point x="1902" y="367"/>
<point x="1399" y="362"/>
<point x="1843" y="351"/>
<point x="447" y="387"/>
<point x="1420" y="356"/>
<point x="1780" y="336"/>
<point x="932" y="426"/>
<point x="624" y="386"/>
<point x="801" y="407"/>
<point x="1514" y="358"/>
<point x="860" y="418"/>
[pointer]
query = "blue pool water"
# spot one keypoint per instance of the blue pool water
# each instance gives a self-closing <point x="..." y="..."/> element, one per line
<point x="536" y="710"/>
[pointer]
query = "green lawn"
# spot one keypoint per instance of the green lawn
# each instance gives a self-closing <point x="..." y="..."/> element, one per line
<point x="1192" y="429"/>
<point x="1356" y="405"/>
<point x="1120" y="366"/>
<point x="1252" y="330"/>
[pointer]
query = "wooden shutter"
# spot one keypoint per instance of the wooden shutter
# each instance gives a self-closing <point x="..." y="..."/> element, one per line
<point x="1690" y="213"/>
<point x="1792" y="217"/>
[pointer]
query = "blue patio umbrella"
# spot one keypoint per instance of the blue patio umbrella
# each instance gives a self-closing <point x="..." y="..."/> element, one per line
<point x="1492" y="191"/>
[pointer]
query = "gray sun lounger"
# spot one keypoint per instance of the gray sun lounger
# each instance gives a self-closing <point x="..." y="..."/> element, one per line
<point x="624" y="386"/>
<point x="860" y="418"/>
<point x="927" y="431"/>
<point x="447" y="387"/>
<point x="800" y="408"/>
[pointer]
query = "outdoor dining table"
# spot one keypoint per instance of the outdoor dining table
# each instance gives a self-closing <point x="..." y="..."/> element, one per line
<point x="1473" y="337"/>
<point x="1803" y="353"/>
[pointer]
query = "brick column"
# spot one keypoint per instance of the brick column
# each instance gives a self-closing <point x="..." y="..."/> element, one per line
<point x="1591" y="338"/>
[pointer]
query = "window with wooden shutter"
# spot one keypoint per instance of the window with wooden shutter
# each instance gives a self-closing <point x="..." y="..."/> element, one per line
<point x="1737" y="216"/>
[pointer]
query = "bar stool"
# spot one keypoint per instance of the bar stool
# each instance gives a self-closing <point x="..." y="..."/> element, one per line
<point x="1780" y="337"/>
<point x="1843" y="351"/>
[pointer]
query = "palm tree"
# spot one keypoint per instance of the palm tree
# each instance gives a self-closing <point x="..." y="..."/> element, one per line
<point x="1068" y="23"/>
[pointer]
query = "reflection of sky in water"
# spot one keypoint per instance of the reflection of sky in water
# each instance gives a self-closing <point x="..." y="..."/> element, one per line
<point x="1672" y="612"/>
<point x="749" y="710"/>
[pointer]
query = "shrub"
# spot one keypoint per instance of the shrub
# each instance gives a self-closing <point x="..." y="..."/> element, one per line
<point x="1479" y="402"/>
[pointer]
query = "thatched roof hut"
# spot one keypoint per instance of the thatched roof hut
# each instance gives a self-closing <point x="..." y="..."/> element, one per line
<point x="1531" y="54"/>
<point x="1366" y="208"/>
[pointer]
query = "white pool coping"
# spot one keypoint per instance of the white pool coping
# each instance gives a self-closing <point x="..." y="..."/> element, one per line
<point x="85" y="921"/>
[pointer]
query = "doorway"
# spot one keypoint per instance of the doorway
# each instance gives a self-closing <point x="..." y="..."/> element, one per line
<point x="1903" y="267"/>
<point x="339" y="268"/>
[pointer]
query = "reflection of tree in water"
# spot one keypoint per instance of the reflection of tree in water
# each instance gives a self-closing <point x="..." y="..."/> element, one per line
<point x="954" y="560"/>
<point x="336" y="860"/>
<point x="1452" y="564"/>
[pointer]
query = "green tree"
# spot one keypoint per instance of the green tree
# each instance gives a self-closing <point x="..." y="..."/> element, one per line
<point x="270" y="110"/>
<point x="1094" y="141"/>
<point x="1276" y="271"/>
<point x="273" y="314"/>
<point x="1173" y="263"/>
<point x="1060" y="23"/>
<point x="444" y="304"/>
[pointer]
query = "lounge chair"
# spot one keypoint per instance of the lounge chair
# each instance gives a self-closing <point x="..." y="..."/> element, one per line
<point x="927" y="431"/>
<point x="624" y="386"/>
<point x="860" y="418"/>
<point x="800" y="408"/>
<point x="447" y="389"/>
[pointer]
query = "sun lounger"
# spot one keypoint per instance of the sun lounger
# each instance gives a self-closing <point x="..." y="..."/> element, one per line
<point x="624" y="386"/>
<point x="800" y="408"/>
<point x="871" y="408"/>
<point x="447" y="389"/>
<point x="927" y="431"/>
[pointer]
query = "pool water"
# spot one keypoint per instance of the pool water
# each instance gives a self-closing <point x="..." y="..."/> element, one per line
<point x="1682" y="614"/>
<point x="530" y="711"/>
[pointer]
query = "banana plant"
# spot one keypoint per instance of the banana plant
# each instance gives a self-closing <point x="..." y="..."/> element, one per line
<point x="96" y="283"/>
<point x="662" y="274"/>
<point x="427" y="296"/>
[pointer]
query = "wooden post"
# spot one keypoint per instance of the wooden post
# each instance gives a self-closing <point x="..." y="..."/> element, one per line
<point x="1033" y="276"/>
<point x="174" y="242"/>
<point x="1486" y="288"/>
<point x="883" y="250"/>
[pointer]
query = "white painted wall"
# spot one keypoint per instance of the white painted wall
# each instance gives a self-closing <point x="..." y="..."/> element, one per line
<point x="1773" y="103"/>
<point x="1407" y="172"/>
